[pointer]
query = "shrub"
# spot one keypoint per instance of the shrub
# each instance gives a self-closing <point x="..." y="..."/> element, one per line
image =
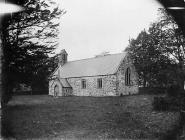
<point x="152" y="90"/>
<point x="160" y="104"/>
<point x="168" y="103"/>
<point x="174" y="90"/>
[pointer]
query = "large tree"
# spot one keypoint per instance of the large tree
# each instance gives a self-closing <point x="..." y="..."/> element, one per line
<point x="148" y="59"/>
<point x="28" y="37"/>
<point x="171" y="41"/>
<point x="159" y="52"/>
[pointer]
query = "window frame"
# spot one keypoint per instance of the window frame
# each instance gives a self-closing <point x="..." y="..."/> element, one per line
<point x="128" y="77"/>
<point x="99" y="83"/>
<point x="83" y="84"/>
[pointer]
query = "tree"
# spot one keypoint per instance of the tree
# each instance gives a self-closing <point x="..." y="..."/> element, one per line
<point x="147" y="59"/>
<point x="169" y="37"/>
<point x="29" y="36"/>
<point x="160" y="51"/>
<point x="38" y="23"/>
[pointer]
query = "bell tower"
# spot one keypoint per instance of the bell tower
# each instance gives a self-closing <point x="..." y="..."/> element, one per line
<point x="62" y="57"/>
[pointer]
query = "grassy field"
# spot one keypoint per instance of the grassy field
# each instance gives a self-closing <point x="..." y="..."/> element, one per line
<point x="46" y="117"/>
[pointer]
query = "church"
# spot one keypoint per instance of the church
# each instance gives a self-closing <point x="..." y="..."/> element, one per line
<point x="102" y="75"/>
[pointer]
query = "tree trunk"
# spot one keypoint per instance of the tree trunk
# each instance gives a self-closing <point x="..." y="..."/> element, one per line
<point x="6" y="82"/>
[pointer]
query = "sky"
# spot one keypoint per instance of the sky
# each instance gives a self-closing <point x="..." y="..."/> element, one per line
<point x="8" y="8"/>
<point x="93" y="26"/>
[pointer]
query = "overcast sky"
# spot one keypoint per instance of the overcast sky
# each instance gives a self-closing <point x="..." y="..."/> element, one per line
<point x="92" y="26"/>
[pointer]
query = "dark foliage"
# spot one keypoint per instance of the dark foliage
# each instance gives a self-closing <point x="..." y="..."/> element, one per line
<point x="173" y="101"/>
<point x="152" y="90"/>
<point x="174" y="90"/>
<point x="28" y="39"/>
<point x="160" y="104"/>
<point x="158" y="53"/>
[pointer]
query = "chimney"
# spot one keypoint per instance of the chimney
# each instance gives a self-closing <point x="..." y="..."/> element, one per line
<point x="62" y="57"/>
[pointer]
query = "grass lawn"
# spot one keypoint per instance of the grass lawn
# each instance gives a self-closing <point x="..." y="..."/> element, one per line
<point x="45" y="117"/>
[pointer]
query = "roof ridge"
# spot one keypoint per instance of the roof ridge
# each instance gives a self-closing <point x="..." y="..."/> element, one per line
<point x="95" y="57"/>
<point x="93" y="66"/>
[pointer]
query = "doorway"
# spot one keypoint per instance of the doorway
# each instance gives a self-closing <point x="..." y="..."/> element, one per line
<point x="56" y="90"/>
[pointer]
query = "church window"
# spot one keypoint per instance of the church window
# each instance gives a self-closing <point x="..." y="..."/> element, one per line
<point x="83" y="83"/>
<point x="127" y="77"/>
<point x="99" y="82"/>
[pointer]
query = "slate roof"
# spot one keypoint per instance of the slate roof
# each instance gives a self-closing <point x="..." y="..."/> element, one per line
<point x="102" y="65"/>
<point x="64" y="83"/>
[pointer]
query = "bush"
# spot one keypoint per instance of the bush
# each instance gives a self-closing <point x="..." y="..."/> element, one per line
<point x="168" y="103"/>
<point x="160" y="104"/>
<point x="174" y="90"/>
<point x="152" y="90"/>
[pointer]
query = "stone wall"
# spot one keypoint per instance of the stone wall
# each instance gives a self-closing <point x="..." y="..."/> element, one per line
<point x="67" y="91"/>
<point x="108" y="86"/>
<point x="112" y="84"/>
<point x="121" y="87"/>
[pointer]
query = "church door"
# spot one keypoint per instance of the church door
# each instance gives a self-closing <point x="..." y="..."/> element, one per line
<point x="56" y="90"/>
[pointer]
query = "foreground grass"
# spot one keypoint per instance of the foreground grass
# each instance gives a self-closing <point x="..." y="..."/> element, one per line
<point x="85" y="117"/>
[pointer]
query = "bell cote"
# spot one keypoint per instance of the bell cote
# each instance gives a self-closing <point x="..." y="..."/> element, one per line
<point x="62" y="57"/>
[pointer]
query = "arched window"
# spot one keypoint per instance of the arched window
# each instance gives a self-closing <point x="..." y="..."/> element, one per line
<point x="127" y="77"/>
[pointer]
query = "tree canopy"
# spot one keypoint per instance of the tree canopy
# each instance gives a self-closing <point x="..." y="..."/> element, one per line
<point x="159" y="52"/>
<point x="28" y="37"/>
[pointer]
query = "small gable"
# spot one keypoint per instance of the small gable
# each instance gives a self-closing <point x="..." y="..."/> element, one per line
<point x="65" y="83"/>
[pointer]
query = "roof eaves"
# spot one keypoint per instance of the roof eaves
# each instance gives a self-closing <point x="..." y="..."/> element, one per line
<point x="90" y="76"/>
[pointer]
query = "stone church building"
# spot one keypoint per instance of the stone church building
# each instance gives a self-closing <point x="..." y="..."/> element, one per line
<point x="103" y="75"/>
